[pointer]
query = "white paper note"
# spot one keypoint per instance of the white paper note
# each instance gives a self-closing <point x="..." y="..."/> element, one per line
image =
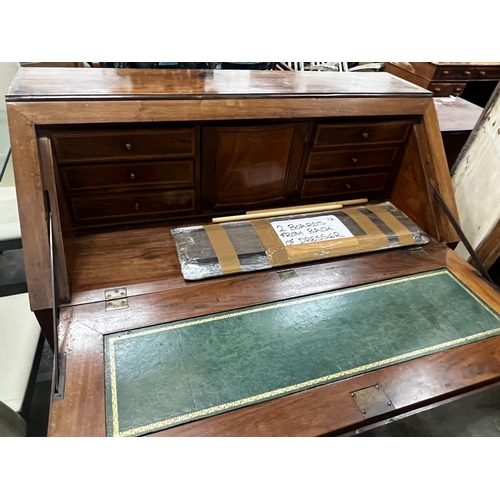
<point x="310" y="230"/>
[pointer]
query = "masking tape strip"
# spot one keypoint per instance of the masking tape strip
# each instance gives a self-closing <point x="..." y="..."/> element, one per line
<point x="324" y="249"/>
<point x="226" y="254"/>
<point x="404" y="234"/>
<point x="375" y="238"/>
<point x="277" y="254"/>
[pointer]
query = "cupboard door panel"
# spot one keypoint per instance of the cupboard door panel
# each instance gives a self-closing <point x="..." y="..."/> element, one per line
<point x="250" y="165"/>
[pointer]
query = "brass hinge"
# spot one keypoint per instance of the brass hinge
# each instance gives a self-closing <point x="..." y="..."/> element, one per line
<point x="116" y="298"/>
<point x="286" y="274"/>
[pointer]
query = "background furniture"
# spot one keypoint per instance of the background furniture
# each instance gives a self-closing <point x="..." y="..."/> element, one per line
<point x="457" y="118"/>
<point x="451" y="78"/>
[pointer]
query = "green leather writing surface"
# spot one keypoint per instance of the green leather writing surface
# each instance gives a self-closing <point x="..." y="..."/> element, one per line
<point x="165" y="375"/>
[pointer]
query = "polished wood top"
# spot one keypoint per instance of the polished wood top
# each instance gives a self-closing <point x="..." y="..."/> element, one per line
<point x="100" y="83"/>
<point x="456" y="114"/>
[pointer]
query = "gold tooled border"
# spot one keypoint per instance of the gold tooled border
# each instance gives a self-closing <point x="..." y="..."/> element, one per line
<point x="284" y="390"/>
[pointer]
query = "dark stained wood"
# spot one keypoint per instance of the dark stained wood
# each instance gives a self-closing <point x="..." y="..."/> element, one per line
<point x="409" y="188"/>
<point x="489" y="250"/>
<point x="369" y="184"/>
<point x="364" y="133"/>
<point x="91" y="145"/>
<point x="425" y="161"/>
<point x="444" y="78"/>
<point x="32" y="210"/>
<point x="81" y="412"/>
<point x="129" y="176"/>
<point x="133" y="111"/>
<point x="144" y="260"/>
<point x="334" y="160"/>
<point x="44" y="318"/>
<point x="244" y="166"/>
<point x="457" y="118"/>
<point x="456" y="115"/>
<point x="466" y="273"/>
<point x="446" y="89"/>
<point x="95" y="83"/>
<point x="141" y="205"/>
<point x="182" y="300"/>
<point x="60" y="221"/>
<point x="439" y="173"/>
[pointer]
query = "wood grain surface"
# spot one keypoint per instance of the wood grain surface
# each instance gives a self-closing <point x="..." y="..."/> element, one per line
<point x="85" y="83"/>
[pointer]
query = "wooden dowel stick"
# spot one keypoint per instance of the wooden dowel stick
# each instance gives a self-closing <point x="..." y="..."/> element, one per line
<point x="318" y="206"/>
<point x="273" y="213"/>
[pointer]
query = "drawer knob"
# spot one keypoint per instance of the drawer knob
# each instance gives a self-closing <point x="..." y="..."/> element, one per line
<point x="458" y="89"/>
<point x="132" y="175"/>
<point x="467" y="72"/>
<point x="137" y="206"/>
<point x="354" y="160"/>
<point x="482" y="73"/>
<point x="446" y="72"/>
<point x="437" y="89"/>
<point x="348" y="186"/>
<point x="364" y="135"/>
<point x="128" y="146"/>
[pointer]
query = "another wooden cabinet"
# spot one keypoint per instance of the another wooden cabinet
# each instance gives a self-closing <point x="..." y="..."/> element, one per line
<point x="444" y="78"/>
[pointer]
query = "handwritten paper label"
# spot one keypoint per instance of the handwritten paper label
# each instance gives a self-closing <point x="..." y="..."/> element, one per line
<point x="310" y="230"/>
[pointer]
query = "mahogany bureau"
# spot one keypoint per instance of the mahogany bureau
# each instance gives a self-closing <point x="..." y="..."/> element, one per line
<point x="107" y="161"/>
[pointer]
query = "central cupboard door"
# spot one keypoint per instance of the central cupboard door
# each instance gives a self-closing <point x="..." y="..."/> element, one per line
<point x="250" y="165"/>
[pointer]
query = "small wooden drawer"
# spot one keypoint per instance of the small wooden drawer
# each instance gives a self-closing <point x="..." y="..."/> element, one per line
<point x="325" y="186"/>
<point x="78" y="147"/>
<point x="323" y="162"/>
<point x="441" y="89"/>
<point x="455" y="73"/>
<point x="133" y="205"/>
<point x="128" y="175"/>
<point x="368" y="133"/>
<point x="488" y="72"/>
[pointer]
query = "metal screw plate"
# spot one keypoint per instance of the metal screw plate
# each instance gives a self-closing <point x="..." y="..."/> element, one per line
<point x="372" y="401"/>
<point x="417" y="251"/>
<point x="286" y="274"/>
